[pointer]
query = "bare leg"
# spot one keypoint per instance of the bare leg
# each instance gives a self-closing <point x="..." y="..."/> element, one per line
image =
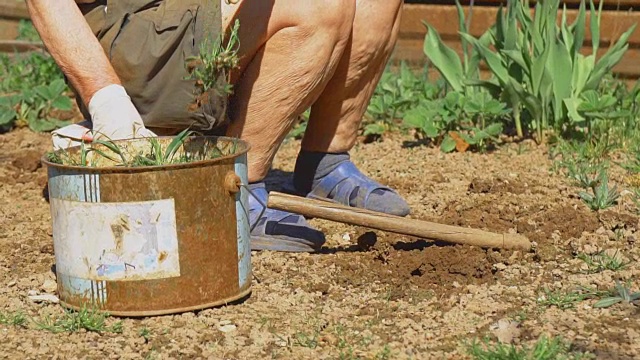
<point x="289" y="51"/>
<point x="336" y="116"/>
<point x="323" y="167"/>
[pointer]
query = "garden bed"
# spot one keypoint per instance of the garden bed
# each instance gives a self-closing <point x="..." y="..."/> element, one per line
<point x="368" y="293"/>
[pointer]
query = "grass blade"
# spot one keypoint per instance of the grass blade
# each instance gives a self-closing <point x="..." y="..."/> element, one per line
<point x="579" y="24"/>
<point x="492" y="59"/>
<point x="111" y="146"/>
<point x="607" y="302"/>
<point x="595" y="27"/>
<point x="176" y="143"/>
<point x="560" y="68"/>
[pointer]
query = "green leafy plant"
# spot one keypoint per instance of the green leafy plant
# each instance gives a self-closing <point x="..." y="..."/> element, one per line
<point x="458" y="73"/>
<point x="298" y="131"/>
<point x="537" y="65"/>
<point x="544" y="349"/>
<point x="32" y="89"/>
<point x="458" y="121"/>
<point x="603" y="261"/>
<point x="13" y="319"/>
<point x="396" y="93"/>
<point x="34" y="107"/>
<point x="568" y="299"/>
<point x="624" y="294"/>
<point x="602" y="196"/>
<point x="72" y="321"/>
<point x="212" y="66"/>
<point x="145" y="333"/>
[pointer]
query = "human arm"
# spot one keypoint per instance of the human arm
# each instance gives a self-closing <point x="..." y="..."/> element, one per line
<point x="70" y="41"/>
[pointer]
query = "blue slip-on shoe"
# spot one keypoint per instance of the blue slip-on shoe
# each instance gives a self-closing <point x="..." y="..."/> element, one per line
<point x="348" y="186"/>
<point x="278" y="230"/>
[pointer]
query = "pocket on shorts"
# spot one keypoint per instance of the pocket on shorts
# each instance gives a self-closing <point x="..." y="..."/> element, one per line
<point x="150" y="54"/>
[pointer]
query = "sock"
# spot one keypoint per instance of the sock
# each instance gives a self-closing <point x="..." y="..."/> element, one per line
<point x="312" y="167"/>
<point x="257" y="185"/>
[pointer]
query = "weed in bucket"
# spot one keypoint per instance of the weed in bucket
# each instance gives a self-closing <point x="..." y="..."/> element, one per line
<point x="181" y="149"/>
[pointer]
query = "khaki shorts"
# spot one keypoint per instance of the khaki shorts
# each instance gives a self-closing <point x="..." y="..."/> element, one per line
<point x="148" y="43"/>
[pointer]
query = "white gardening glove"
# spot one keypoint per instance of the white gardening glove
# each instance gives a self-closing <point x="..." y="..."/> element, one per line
<point x="114" y="116"/>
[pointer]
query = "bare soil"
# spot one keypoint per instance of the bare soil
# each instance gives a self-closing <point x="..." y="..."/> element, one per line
<point x="368" y="294"/>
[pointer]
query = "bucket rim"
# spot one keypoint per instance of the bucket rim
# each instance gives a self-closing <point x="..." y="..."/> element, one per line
<point x="140" y="169"/>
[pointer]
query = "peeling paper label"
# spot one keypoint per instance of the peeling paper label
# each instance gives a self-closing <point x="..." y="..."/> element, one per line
<point x="116" y="241"/>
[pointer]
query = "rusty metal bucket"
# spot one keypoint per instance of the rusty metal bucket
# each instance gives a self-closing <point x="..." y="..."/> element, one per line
<point x="152" y="240"/>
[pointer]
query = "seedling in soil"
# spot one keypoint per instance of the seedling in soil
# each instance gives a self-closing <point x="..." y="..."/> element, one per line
<point x="304" y="339"/>
<point x="635" y="197"/>
<point x="624" y="294"/>
<point x="145" y="333"/>
<point x="603" y="261"/>
<point x="543" y="349"/>
<point x="15" y="319"/>
<point x="72" y="321"/>
<point x="603" y="196"/>
<point x="566" y="300"/>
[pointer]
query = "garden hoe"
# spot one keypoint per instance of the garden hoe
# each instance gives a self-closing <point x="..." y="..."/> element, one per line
<point x="329" y="210"/>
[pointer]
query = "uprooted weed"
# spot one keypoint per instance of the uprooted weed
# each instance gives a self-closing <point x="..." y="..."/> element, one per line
<point x="156" y="155"/>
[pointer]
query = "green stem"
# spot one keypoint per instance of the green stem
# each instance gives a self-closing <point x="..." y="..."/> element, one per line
<point x="516" y="115"/>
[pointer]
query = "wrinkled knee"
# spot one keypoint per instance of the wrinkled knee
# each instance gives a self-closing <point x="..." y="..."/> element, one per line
<point x="329" y="17"/>
<point x="376" y="28"/>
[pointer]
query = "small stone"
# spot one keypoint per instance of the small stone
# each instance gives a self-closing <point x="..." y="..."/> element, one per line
<point x="11" y="284"/>
<point x="32" y="293"/>
<point x="44" y="298"/>
<point x="506" y="330"/>
<point x="224" y="322"/>
<point x="281" y="343"/>
<point x="500" y="266"/>
<point x="624" y="193"/>
<point x="227" y="328"/>
<point x="49" y="286"/>
<point x="329" y="339"/>
<point x="346" y="237"/>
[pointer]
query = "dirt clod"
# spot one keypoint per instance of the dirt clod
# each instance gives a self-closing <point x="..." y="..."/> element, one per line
<point x="28" y="161"/>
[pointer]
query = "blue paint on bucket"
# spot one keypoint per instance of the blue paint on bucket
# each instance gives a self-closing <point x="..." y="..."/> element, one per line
<point x="242" y="215"/>
<point x="91" y="291"/>
<point x="74" y="186"/>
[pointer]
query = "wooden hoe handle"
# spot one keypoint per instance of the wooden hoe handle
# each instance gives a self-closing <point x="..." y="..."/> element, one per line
<point x="328" y="210"/>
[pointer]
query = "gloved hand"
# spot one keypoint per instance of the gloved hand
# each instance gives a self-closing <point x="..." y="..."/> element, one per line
<point x="114" y="116"/>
